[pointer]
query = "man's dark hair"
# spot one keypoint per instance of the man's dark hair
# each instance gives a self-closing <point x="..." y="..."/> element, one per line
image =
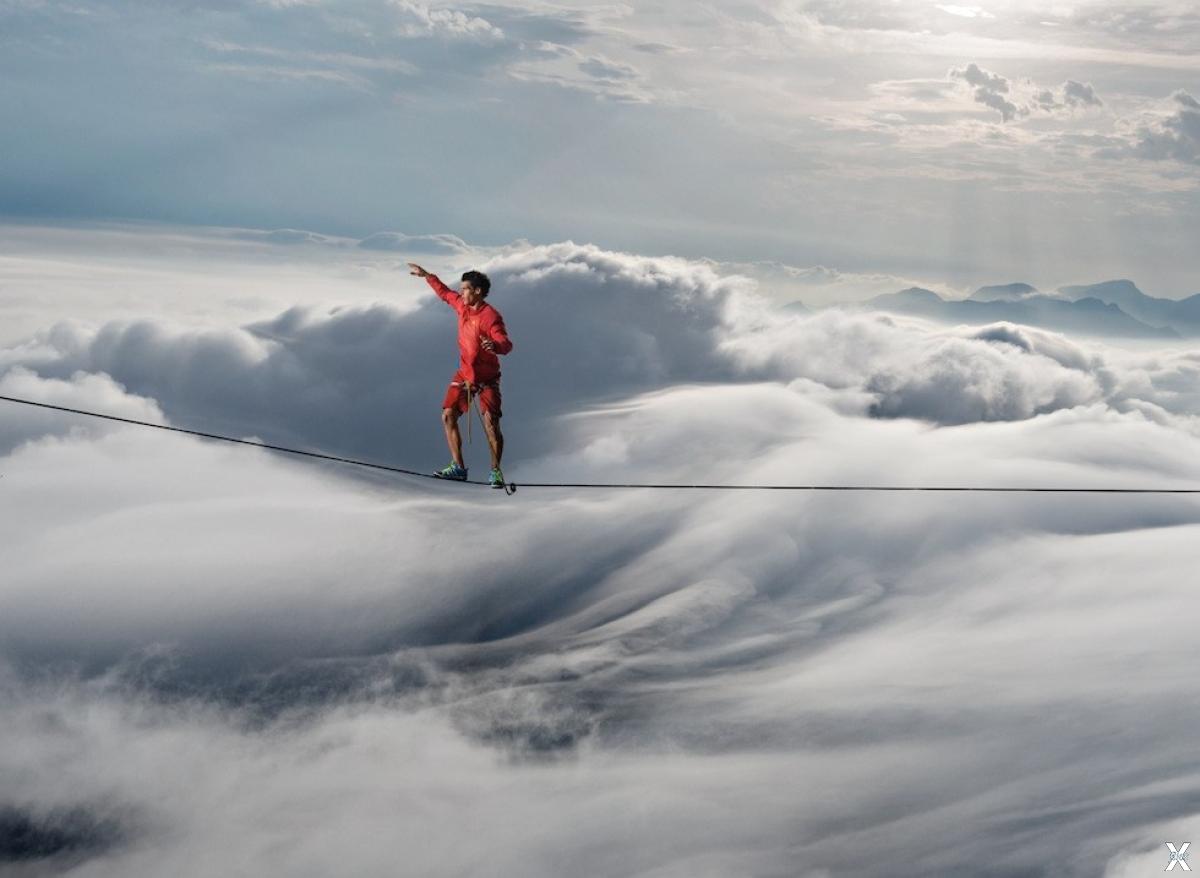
<point x="479" y="280"/>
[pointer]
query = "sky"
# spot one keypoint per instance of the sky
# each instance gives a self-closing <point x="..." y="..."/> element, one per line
<point x="215" y="659"/>
<point x="1027" y="141"/>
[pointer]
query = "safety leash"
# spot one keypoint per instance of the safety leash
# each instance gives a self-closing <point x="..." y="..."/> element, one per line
<point x="467" y="384"/>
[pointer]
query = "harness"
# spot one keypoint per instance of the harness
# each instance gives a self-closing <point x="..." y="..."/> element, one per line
<point x="472" y="400"/>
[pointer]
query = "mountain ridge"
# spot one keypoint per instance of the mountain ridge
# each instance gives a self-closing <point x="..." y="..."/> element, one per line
<point x="1087" y="314"/>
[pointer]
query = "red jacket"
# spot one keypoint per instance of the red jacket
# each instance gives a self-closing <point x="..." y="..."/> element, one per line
<point x="476" y="364"/>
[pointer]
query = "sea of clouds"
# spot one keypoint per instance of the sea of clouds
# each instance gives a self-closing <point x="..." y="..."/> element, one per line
<point x="219" y="660"/>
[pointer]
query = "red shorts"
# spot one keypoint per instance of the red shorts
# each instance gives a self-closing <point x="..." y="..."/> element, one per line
<point x="485" y="396"/>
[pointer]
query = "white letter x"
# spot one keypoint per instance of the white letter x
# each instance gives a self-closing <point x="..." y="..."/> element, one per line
<point x="1178" y="856"/>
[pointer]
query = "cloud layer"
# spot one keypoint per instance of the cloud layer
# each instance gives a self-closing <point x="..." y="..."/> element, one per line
<point x="225" y="661"/>
<point x="607" y="325"/>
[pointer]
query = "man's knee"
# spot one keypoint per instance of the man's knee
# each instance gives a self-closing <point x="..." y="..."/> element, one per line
<point x="449" y="417"/>
<point x="491" y="422"/>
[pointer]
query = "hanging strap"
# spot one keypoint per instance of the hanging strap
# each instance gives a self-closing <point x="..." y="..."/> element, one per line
<point x="472" y="401"/>
<point x="470" y="419"/>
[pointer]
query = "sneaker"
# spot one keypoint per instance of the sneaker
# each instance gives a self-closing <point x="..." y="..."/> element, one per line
<point x="496" y="479"/>
<point x="454" y="471"/>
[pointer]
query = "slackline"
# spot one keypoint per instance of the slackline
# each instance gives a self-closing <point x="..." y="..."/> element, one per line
<point x="511" y="487"/>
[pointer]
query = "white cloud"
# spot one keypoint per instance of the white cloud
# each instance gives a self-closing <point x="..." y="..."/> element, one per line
<point x="291" y="74"/>
<point x="602" y="76"/>
<point x="248" y="662"/>
<point x="330" y="59"/>
<point x="400" y="242"/>
<point x="1080" y="94"/>
<point x="370" y="366"/>
<point x="423" y="19"/>
<point x="741" y="638"/>
<point x="80" y="391"/>
<point x="967" y="11"/>
<point x="1014" y="100"/>
<point x="1173" y="135"/>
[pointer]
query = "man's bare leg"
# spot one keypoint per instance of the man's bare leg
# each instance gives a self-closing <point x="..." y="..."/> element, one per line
<point x="491" y="426"/>
<point x="453" y="437"/>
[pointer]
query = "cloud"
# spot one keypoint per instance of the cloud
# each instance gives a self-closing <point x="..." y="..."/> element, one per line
<point x="911" y="94"/>
<point x="290" y="666"/>
<point x="1080" y="94"/>
<point x="283" y="236"/>
<point x="400" y="242"/>
<point x="653" y="48"/>
<point x="967" y="11"/>
<point x="951" y="377"/>
<point x="63" y="834"/>
<point x="1169" y="130"/>
<point x="81" y="390"/>
<point x="1186" y="100"/>
<point x="604" y="77"/>
<point x="1013" y="100"/>
<point x="422" y="19"/>
<point x="1166" y="25"/>
<point x="1006" y="108"/>
<point x="650" y="322"/>
<point x="373" y="368"/>
<point x="667" y="654"/>
<point x="868" y="15"/>
<point x="603" y="68"/>
<point x="1172" y="135"/>
<point x="295" y="63"/>
<point x="972" y="74"/>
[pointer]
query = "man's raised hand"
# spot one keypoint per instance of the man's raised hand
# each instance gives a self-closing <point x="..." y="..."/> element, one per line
<point x="417" y="270"/>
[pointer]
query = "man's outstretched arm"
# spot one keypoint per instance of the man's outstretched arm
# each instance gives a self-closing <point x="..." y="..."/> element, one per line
<point x="447" y="295"/>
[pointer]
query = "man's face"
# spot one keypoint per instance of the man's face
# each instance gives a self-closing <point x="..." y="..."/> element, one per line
<point x="471" y="294"/>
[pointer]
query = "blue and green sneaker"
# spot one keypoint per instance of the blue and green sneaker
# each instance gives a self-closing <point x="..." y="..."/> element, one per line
<point x="496" y="479"/>
<point x="454" y="471"/>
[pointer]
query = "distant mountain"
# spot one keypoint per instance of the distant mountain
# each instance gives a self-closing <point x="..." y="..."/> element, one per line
<point x="796" y="307"/>
<point x="1088" y="316"/>
<point x="914" y="300"/>
<point x="1004" y="293"/>
<point x="1183" y="315"/>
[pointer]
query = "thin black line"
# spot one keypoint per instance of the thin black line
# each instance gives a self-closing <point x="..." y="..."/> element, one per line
<point x="692" y="487"/>
<point x="380" y="466"/>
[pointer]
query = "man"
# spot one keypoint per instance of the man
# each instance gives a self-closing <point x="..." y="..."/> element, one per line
<point x="481" y="336"/>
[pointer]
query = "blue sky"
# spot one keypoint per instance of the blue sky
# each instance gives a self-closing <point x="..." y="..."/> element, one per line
<point x="973" y="144"/>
